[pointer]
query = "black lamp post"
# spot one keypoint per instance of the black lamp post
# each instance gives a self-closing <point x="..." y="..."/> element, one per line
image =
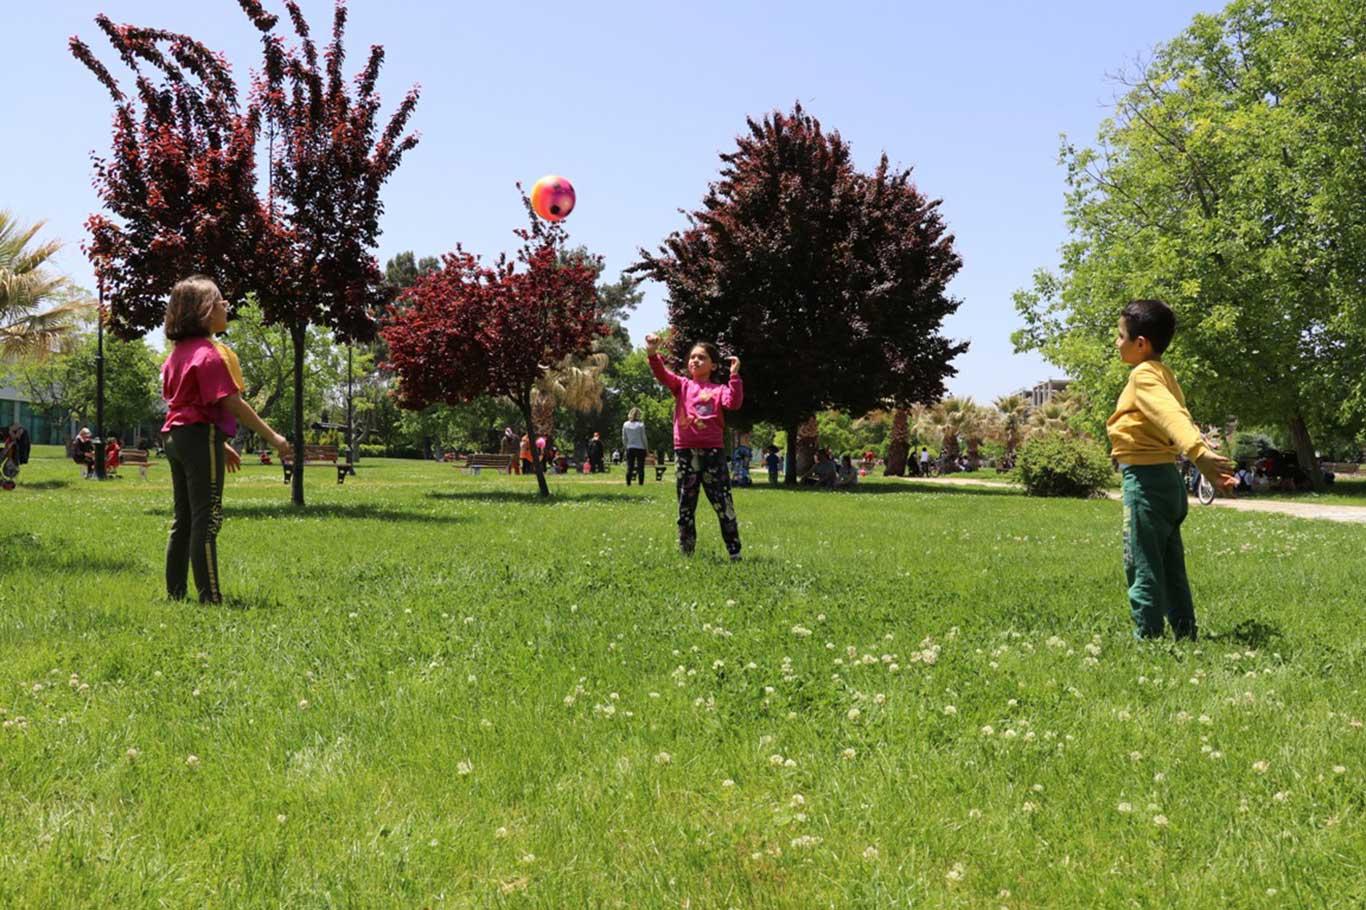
<point x="350" y="420"/>
<point x="99" y="391"/>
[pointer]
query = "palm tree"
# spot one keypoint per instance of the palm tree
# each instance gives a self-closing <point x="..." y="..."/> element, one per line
<point x="1013" y="411"/>
<point x="575" y="382"/>
<point x="947" y="422"/>
<point x="1051" y="417"/>
<point x="28" y="327"/>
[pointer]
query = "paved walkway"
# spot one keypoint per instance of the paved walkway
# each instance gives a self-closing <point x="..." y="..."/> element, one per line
<point x="1354" y="514"/>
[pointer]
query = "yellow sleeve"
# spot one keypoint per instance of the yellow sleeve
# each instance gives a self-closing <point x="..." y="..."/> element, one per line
<point x="1161" y="408"/>
<point x="234" y="368"/>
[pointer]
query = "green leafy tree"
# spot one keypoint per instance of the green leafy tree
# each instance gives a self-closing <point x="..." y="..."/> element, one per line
<point x="65" y="384"/>
<point x="1230" y="183"/>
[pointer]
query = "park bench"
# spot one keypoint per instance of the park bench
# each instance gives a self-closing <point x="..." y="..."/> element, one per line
<point x="135" y="458"/>
<point x="501" y="463"/>
<point x="653" y="462"/>
<point x="317" y="455"/>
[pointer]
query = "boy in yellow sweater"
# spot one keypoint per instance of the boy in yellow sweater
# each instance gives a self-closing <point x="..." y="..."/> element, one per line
<point x="1149" y="428"/>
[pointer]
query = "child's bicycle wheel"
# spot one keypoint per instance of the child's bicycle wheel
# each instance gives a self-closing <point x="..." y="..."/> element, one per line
<point x="1205" y="492"/>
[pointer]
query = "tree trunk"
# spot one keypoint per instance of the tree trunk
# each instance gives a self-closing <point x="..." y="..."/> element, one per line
<point x="1304" y="451"/>
<point x="900" y="446"/>
<point x="790" y="453"/>
<point x="537" y="462"/>
<point x="808" y="438"/>
<point x="297" y="332"/>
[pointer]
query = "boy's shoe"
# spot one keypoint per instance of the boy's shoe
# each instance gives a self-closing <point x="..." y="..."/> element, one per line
<point x="735" y="557"/>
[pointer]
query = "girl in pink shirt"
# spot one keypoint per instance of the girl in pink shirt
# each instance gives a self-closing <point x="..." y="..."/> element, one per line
<point x="202" y="384"/>
<point x="699" y="435"/>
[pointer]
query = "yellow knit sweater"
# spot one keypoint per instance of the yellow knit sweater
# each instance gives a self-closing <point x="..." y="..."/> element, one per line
<point x="1150" y="424"/>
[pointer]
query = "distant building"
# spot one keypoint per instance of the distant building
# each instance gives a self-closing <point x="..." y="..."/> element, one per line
<point x="1043" y="393"/>
<point x="42" y="427"/>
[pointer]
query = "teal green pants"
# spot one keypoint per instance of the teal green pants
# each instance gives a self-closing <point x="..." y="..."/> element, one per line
<point x="1154" y="558"/>
<point x="196" y="456"/>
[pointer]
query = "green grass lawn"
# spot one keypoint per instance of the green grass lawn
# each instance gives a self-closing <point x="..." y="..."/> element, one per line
<point x="433" y="690"/>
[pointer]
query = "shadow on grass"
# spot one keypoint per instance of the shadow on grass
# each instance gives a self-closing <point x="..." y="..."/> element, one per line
<point x="352" y="511"/>
<point x="1252" y="633"/>
<point x="45" y="485"/>
<point x="532" y="498"/>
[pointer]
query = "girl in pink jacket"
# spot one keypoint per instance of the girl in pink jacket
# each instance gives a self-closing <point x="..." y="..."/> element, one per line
<point x="699" y="437"/>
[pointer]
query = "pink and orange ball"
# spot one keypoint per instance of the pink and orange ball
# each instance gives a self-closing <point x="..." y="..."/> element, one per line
<point x="552" y="197"/>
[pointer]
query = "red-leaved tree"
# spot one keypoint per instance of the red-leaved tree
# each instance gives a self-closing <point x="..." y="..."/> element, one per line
<point x="183" y="189"/>
<point x="470" y="329"/>
<point x="829" y="283"/>
<point x="180" y="181"/>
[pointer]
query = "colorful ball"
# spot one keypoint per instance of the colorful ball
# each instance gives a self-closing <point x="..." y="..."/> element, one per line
<point x="552" y="197"/>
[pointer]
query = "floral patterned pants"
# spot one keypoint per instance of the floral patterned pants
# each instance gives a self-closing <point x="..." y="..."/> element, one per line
<point x="705" y="469"/>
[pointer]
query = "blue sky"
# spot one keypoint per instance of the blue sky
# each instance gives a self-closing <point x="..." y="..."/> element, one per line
<point x="633" y="102"/>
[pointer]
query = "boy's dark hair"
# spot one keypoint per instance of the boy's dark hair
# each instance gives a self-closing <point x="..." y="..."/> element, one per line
<point x="1150" y="319"/>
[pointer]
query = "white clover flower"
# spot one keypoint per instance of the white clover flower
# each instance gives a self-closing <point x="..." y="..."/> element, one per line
<point x="956" y="872"/>
<point x="879" y="699"/>
<point x="1280" y="796"/>
<point x="1126" y="808"/>
<point x="192" y="760"/>
<point x="281" y="818"/>
<point x="1261" y="767"/>
<point x="1206" y="719"/>
<point x="950" y="710"/>
<point x="854" y="713"/>
<point x="500" y="832"/>
<point x="848" y="754"/>
<point x="1029" y="807"/>
<point x="303" y="704"/>
<point x="870" y="853"/>
<point x="132" y="754"/>
<point x="1135" y="756"/>
<point x="727" y="783"/>
<point x="1160" y="821"/>
<point x="775" y="760"/>
<point x="801" y="631"/>
<point x="797" y="801"/>
<point x="1339" y="769"/>
<point x="806" y="840"/>
<point x="463" y="768"/>
<point x="988" y="730"/>
<point x="789" y="763"/>
<point x="663" y="758"/>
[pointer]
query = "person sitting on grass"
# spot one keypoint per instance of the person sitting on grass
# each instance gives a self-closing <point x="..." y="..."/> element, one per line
<point x="202" y="384"/>
<point x="1148" y="429"/>
<point x="823" y="474"/>
<point x="846" y="475"/>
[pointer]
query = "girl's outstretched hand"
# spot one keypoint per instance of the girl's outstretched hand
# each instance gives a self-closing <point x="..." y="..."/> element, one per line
<point x="734" y="363"/>
<point x="651" y="343"/>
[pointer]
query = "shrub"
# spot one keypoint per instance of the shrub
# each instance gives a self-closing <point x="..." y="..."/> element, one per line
<point x="1054" y="464"/>
<point x="1251" y="446"/>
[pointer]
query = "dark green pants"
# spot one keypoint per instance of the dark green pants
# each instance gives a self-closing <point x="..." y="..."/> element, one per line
<point x="1154" y="558"/>
<point x="196" y="456"/>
